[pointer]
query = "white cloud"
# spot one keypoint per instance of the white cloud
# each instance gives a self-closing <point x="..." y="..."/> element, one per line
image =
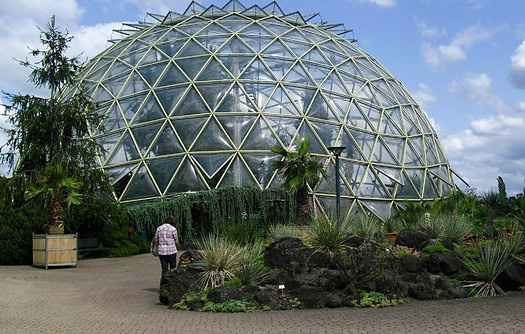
<point x="424" y="96"/>
<point x="517" y="67"/>
<point x="457" y="49"/>
<point x="522" y="106"/>
<point x="3" y="136"/>
<point x="381" y="3"/>
<point x="430" y="32"/>
<point x="478" y="88"/>
<point x="91" y="40"/>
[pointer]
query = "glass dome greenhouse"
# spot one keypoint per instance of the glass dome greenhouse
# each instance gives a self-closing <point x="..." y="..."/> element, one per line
<point x="197" y="100"/>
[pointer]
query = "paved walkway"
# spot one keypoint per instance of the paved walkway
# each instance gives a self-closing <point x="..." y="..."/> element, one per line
<point x="121" y="296"/>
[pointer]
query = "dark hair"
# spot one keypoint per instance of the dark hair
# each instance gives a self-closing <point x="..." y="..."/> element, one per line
<point x="170" y="220"/>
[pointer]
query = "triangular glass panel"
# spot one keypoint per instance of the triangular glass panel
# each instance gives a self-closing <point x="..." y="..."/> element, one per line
<point x="166" y="143"/>
<point x="257" y="43"/>
<point x="353" y="173"/>
<point x="172" y="76"/>
<point x="255" y="29"/>
<point x="398" y="92"/>
<point x="192" y="29"/>
<point x="319" y="109"/>
<point x="169" y="97"/>
<point x="273" y="8"/>
<point x="213" y="29"/>
<point x="417" y="145"/>
<point x="125" y="151"/>
<point x="260" y="137"/>
<point x="130" y="106"/>
<point x="135" y="45"/>
<point x="298" y="75"/>
<point x="213" y="71"/>
<point x="144" y="135"/>
<point x="140" y="186"/>
<point x="114" y="119"/>
<point x="135" y="84"/>
<point x="382" y="155"/>
<point x="254" y="12"/>
<point x="188" y="129"/>
<point x="257" y="72"/>
<point x="339" y="104"/>
<point x="279" y="67"/>
<point x="172" y="35"/>
<point x="108" y="143"/>
<point x="365" y="94"/>
<point x="394" y="174"/>
<point x="356" y="118"/>
<point x="370" y="187"/>
<point x="411" y="122"/>
<point x="262" y="93"/>
<point x="280" y="104"/>
<point x="235" y="64"/>
<point x="295" y="34"/>
<point x="99" y="71"/>
<point x="236" y="101"/>
<point x="353" y="84"/>
<point x="191" y="104"/>
<point x="367" y="71"/>
<point x="114" y="86"/>
<point x="373" y="115"/>
<point x="276" y="29"/>
<point x="233" y="6"/>
<point x="151" y="38"/>
<point x="315" y="55"/>
<point x="261" y="166"/>
<point x="238" y="175"/>
<point x="423" y="122"/>
<point x="365" y="141"/>
<point x="296" y="17"/>
<point x="133" y="58"/>
<point x="350" y="49"/>
<point x="389" y="125"/>
<point x="120" y="173"/>
<point x="298" y="48"/>
<point x="150" y="111"/>
<point x="171" y="48"/>
<point x="327" y="132"/>
<point x="351" y="151"/>
<point x="430" y="151"/>
<point x="416" y="178"/>
<point x="212" y="138"/>
<point x="192" y="49"/>
<point x="396" y="146"/>
<point x="329" y="186"/>
<point x="211" y="163"/>
<point x="236" y="127"/>
<point x="381" y="209"/>
<point x="117" y="49"/>
<point x="192" y="66"/>
<point x="301" y="97"/>
<point x="186" y="179"/>
<point x="277" y="49"/>
<point x="382" y="97"/>
<point x="117" y="68"/>
<point x="235" y="26"/>
<point x="317" y="72"/>
<point x="163" y="169"/>
<point x="235" y="45"/>
<point x="411" y="157"/>
<point x="285" y="128"/>
<point x="213" y="93"/>
<point x="194" y="8"/>
<point x="151" y="73"/>
<point x="334" y="84"/>
<point x="335" y="58"/>
<point x="315" y="146"/>
<point x="430" y="190"/>
<point x="214" y="11"/>
<point x="350" y="68"/>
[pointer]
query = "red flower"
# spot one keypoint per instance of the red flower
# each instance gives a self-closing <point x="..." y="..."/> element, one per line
<point x="130" y="230"/>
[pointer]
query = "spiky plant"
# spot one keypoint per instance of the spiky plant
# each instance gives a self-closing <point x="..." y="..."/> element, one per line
<point x="220" y="256"/>
<point x="493" y="260"/>
<point x="435" y="228"/>
<point x="458" y="229"/>
<point x="299" y="170"/>
<point x="281" y="231"/>
<point x="249" y="269"/>
<point x="366" y="227"/>
<point x="327" y="235"/>
<point x="513" y="240"/>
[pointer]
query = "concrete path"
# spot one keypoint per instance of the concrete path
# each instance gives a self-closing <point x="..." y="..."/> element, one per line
<point x="121" y="296"/>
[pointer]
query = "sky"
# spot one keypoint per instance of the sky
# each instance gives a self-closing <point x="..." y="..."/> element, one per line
<point x="462" y="60"/>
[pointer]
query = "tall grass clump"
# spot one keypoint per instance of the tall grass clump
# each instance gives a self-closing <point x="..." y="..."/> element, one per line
<point x="458" y="229"/>
<point x="221" y="257"/>
<point x="513" y="240"/>
<point x="249" y="268"/>
<point x="279" y="231"/>
<point x="492" y="261"/>
<point x="328" y="235"/>
<point x="367" y="227"/>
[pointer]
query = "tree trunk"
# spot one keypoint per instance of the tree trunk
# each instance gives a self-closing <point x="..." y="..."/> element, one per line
<point x="303" y="210"/>
<point x="56" y="224"/>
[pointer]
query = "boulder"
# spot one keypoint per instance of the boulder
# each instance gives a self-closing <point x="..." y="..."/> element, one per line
<point x="420" y="291"/>
<point x="512" y="277"/>
<point x="334" y="300"/>
<point x="276" y="277"/>
<point x="225" y="293"/>
<point x="311" y="297"/>
<point x="450" y="264"/>
<point x="432" y="263"/>
<point x="412" y="264"/>
<point x="176" y="282"/>
<point x="288" y="254"/>
<point x="411" y="238"/>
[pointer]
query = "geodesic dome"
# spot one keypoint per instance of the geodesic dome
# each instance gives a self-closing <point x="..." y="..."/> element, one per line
<point x="197" y="100"/>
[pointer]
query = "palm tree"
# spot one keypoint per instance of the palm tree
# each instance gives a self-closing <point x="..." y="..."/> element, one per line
<point x="55" y="186"/>
<point x="299" y="170"/>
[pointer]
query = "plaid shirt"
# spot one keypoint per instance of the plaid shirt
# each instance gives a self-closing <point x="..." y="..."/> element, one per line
<point x="166" y="236"/>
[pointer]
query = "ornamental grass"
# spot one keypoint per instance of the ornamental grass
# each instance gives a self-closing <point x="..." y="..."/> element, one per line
<point x="327" y="235"/>
<point x="279" y="231"/>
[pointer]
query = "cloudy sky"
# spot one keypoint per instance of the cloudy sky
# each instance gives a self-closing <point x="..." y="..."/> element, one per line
<point x="463" y="61"/>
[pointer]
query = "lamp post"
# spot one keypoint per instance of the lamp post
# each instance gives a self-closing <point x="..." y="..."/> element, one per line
<point x="336" y="151"/>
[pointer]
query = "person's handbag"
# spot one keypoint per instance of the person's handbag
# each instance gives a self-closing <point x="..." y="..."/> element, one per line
<point x="154" y="249"/>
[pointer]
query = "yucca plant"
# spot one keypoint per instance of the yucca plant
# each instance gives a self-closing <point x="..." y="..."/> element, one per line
<point x="513" y="240"/>
<point x="249" y="269"/>
<point x="328" y="235"/>
<point x="221" y="257"/>
<point x="278" y="231"/>
<point x="366" y="227"/>
<point x="492" y="261"/>
<point x="435" y="228"/>
<point x="458" y="229"/>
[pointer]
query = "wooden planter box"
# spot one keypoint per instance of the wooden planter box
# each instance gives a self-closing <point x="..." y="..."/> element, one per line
<point x="51" y="250"/>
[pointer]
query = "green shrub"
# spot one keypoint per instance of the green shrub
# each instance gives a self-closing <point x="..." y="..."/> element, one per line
<point x="439" y="248"/>
<point x="469" y="253"/>
<point x="242" y="233"/>
<point x="458" y="229"/>
<point x="278" y="231"/>
<point x="327" y="235"/>
<point x="249" y="269"/>
<point x="367" y="227"/>
<point x="513" y="240"/>
<point x="230" y="306"/>
<point x="375" y="299"/>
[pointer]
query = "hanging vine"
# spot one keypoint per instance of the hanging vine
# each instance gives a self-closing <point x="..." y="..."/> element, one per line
<point x="222" y="207"/>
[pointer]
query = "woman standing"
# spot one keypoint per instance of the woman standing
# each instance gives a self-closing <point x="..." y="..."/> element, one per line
<point x="167" y="239"/>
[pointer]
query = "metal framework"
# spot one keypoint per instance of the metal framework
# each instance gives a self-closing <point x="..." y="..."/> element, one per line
<point x="197" y="100"/>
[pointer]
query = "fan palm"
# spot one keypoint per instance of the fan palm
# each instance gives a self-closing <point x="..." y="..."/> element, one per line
<point x="299" y="170"/>
<point x="55" y="186"/>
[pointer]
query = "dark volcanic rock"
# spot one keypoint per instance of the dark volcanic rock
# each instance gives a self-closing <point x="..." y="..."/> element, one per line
<point x="411" y="238"/>
<point x="412" y="264"/>
<point x="420" y="291"/>
<point x="513" y="277"/>
<point x="176" y="282"/>
<point x="287" y="253"/>
<point x="225" y="293"/>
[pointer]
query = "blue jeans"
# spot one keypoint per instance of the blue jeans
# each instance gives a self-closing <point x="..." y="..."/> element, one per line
<point x="166" y="260"/>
